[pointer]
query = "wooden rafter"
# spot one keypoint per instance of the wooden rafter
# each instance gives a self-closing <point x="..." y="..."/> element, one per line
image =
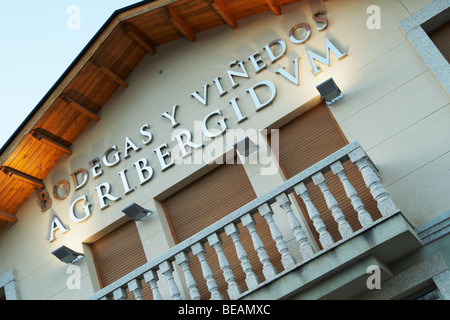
<point x="181" y="24"/>
<point x="80" y="108"/>
<point x="145" y="8"/>
<point x="223" y="11"/>
<point x="80" y="79"/>
<point x="109" y="73"/>
<point x="15" y="174"/>
<point x="139" y="38"/>
<point x="72" y="75"/>
<point x="274" y="6"/>
<point x="6" y="216"/>
<point x="49" y="141"/>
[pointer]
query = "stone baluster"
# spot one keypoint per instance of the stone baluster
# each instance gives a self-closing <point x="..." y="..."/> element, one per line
<point x="363" y="216"/>
<point x="269" y="270"/>
<point x="234" y="291"/>
<point x="373" y="182"/>
<point x="305" y="248"/>
<point x="343" y="226"/>
<point x="182" y="259"/>
<point x="135" y="286"/>
<point x="166" y="269"/>
<point x="325" y="237"/>
<point x="198" y="250"/>
<point x="120" y="294"/>
<point x="251" y="279"/>
<point x="287" y="260"/>
<point x="151" y="277"/>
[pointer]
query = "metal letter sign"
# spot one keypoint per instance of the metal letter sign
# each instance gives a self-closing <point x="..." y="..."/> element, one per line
<point x="213" y="125"/>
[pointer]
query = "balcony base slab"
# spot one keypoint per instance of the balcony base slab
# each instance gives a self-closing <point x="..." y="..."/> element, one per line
<point x="341" y="272"/>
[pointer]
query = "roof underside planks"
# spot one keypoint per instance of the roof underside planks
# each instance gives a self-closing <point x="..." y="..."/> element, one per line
<point x="100" y="69"/>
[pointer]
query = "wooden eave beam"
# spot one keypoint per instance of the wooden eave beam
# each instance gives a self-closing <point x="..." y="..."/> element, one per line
<point x="145" y="8"/>
<point x="274" y="6"/>
<point x="80" y="108"/>
<point x="223" y="11"/>
<point x="8" y="217"/>
<point x="181" y="25"/>
<point x="49" y="141"/>
<point x="109" y="73"/>
<point x="139" y="38"/>
<point x="15" y="174"/>
<point x="64" y="83"/>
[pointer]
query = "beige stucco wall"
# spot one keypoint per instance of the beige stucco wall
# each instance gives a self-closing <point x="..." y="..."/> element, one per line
<point x="393" y="105"/>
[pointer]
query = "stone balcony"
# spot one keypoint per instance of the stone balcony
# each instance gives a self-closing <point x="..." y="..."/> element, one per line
<point x="334" y="270"/>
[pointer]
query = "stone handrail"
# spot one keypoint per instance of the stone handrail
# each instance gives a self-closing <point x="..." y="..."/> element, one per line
<point x="227" y="226"/>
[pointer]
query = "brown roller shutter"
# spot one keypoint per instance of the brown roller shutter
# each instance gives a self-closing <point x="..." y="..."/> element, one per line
<point x="441" y="38"/>
<point x="308" y="139"/>
<point x="118" y="253"/>
<point x="203" y="202"/>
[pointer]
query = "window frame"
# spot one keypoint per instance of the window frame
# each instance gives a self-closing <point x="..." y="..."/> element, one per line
<point x="416" y="27"/>
<point x="9" y="286"/>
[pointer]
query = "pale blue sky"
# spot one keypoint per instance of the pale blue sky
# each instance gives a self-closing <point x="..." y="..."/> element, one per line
<point x="37" y="46"/>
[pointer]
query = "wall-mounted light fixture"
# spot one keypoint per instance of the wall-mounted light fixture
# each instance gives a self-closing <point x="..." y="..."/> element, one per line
<point x="330" y="92"/>
<point x="136" y="212"/>
<point x="67" y="255"/>
<point x="245" y="147"/>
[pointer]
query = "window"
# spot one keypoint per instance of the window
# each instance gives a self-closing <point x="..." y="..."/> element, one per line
<point x="118" y="253"/>
<point x="306" y="140"/>
<point x="441" y="39"/>
<point x="428" y="31"/>
<point x="205" y="201"/>
<point x="427" y="293"/>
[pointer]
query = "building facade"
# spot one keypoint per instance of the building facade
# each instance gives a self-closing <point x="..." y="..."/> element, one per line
<point x="212" y="120"/>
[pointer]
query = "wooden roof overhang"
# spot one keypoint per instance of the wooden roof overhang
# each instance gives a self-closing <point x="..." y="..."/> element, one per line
<point x="99" y="70"/>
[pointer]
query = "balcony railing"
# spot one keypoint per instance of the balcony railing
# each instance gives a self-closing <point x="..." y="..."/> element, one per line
<point x="148" y="273"/>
